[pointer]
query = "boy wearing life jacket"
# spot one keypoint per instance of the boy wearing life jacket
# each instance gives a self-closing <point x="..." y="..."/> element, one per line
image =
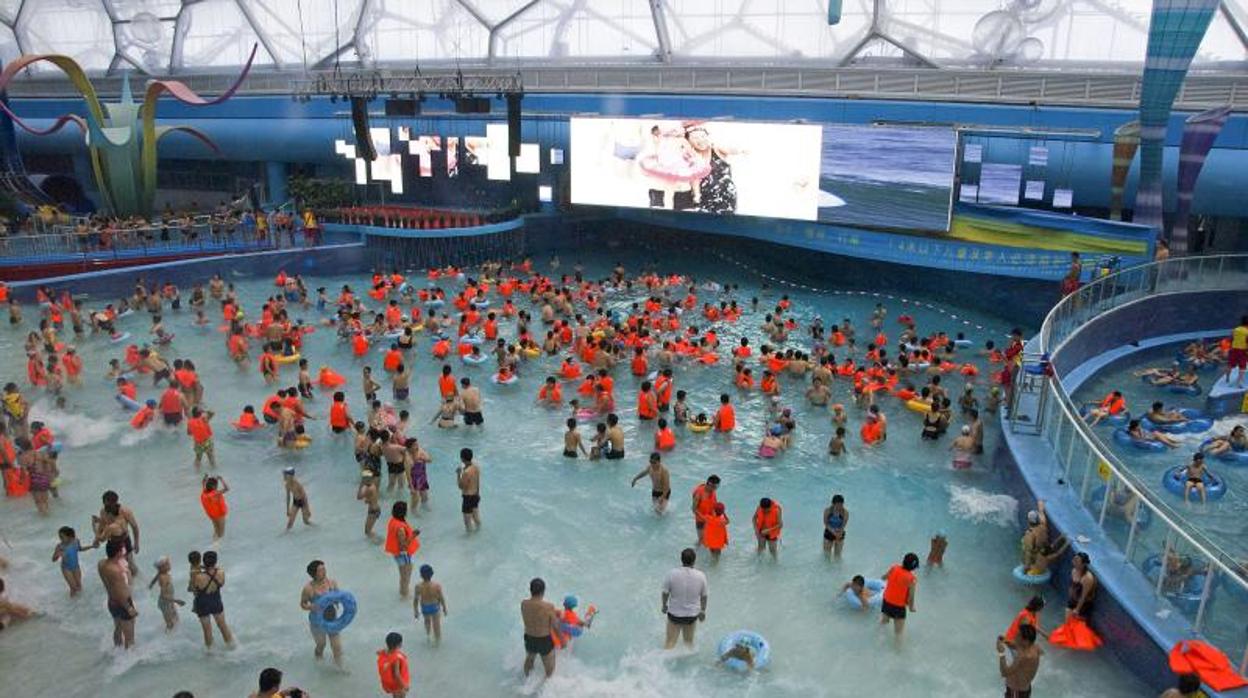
<point x="726" y="417"/>
<point x="715" y="532"/>
<point x="392" y="667"/>
<point x="201" y="433"/>
<point x="768" y="523"/>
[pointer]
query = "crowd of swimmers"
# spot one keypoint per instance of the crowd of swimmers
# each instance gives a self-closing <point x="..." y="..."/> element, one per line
<point x="569" y="322"/>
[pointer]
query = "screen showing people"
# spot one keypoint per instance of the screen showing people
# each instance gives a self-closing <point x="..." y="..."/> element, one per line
<point x="717" y="167"/>
<point x="887" y="176"/>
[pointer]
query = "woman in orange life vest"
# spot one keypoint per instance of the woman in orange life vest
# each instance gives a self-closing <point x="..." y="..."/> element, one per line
<point x="899" y="590"/>
<point x="402" y="542"/>
<point x="768" y="522"/>
<point x="392" y="668"/>
<point x="212" y="499"/>
<point x="1109" y="406"/>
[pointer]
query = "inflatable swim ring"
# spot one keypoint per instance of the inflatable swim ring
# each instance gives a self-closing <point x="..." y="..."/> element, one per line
<point x="483" y="303"/>
<point x="162" y="341"/>
<point x="510" y="379"/>
<point x="1204" y="366"/>
<point x="699" y="428"/>
<point x="128" y="403"/>
<point x="961" y="342"/>
<point x="1229" y="456"/>
<point x="471" y="339"/>
<point x="474" y="359"/>
<point x="1196" y="422"/>
<point x="338" y="597"/>
<point x="434" y="303"/>
<point x="875" y="587"/>
<point x="756" y="642"/>
<point x="1113" y="420"/>
<point x="1175" y="479"/>
<point x="1123" y="438"/>
<point x="918" y="406"/>
<point x="287" y="358"/>
<point x="531" y="352"/>
<point x="118" y="338"/>
<point x="1188" y="597"/>
<point x="1032" y="579"/>
<point x="585" y="415"/>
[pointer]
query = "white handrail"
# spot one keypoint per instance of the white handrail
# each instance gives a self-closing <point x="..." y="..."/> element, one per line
<point x="1153" y="271"/>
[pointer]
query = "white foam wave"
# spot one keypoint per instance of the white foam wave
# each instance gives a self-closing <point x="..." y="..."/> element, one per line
<point x="978" y="506"/>
<point x="75" y="430"/>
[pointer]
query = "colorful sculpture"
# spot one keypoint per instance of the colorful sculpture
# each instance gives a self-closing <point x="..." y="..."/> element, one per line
<point x="122" y="136"/>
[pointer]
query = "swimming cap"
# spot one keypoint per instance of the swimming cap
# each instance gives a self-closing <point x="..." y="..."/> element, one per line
<point x="1033" y="517"/>
<point x="569" y="601"/>
<point x="965" y="430"/>
<point x="290" y="470"/>
<point x="776" y="430"/>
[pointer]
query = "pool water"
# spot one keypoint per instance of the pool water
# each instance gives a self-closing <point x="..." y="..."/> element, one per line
<point x="576" y="523"/>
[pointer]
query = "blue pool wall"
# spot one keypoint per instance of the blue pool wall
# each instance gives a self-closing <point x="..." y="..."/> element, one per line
<point x="1126" y="613"/>
<point x="247" y="129"/>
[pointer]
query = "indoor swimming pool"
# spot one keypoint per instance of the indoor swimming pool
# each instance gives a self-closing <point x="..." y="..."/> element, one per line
<point x="576" y="523"/>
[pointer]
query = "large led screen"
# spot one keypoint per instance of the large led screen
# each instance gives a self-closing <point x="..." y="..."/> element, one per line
<point x="886" y="176"/>
<point x="720" y="167"/>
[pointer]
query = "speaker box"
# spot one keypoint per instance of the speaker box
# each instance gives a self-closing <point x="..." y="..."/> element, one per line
<point x="472" y="105"/>
<point x="402" y="107"/>
<point x="363" y="139"/>
<point x="513" y="124"/>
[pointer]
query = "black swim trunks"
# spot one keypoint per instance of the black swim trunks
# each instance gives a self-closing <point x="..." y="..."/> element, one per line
<point x="470" y="503"/>
<point x="614" y="455"/>
<point x="538" y="645"/>
<point x="471" y="418"/>
<point x="400" y="394"/>
<point x="339" y="430"/>
<point x="122" y="611"/>
<point x="682" y="620"/>
<point x="298" y="503"/>
<point x="833" y="537"/>
<point x="655" y="494"/>
<point x="896" y="612"/>
<point x="172" y="419"/>
<point x="569" y="454"/>
<point x="394" y="468"/>
<point x="162" y="374"/>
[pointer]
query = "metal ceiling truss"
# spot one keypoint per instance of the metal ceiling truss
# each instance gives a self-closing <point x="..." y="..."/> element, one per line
<point x="173" y="28"/>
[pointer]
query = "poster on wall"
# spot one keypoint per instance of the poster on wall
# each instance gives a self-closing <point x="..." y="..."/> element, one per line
<point x="889" y="176"/>
<point x="720" y="167"/>
<point x="999" y="183"/>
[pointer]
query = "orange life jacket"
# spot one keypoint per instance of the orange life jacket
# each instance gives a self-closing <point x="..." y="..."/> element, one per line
<point x="725" y="418"/>
<point x="386" y="663"/>
<point x="392" y="537"/>
<point x="715" y="533"/>
<point x="213" y="503"/>
<point x="897" y="586"/>
<point x="664" y="440"/>
<point x="767" y="519"/>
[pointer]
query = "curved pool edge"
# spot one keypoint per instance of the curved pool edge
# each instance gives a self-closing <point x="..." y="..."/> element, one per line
<point x="1138" y="626"/>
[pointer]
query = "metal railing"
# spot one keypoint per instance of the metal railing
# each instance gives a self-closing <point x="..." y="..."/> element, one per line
<point x="1127" y="510"/>
<point x="1064" y="83"/>
<point x="199" y="234"/>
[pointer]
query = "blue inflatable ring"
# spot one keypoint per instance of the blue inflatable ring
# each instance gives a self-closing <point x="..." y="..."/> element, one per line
<point x="470" y="339"/>
<point x="1187" y="598"/>
<point x="875" y="587"/>
<point x="323" y="603"/>
<point x="1196" y="422"/>
<point x="477" y="359"/>
<point x="1113" y="420"/>
<point x="1175" y="479"/>
<point x="1206" y="366"/>
<point x="434" y="303"/>
<point x="1229" y="456"/>
<point x="756" y="642"/>
<point x="1032" y="579"/>
<point x="1122" y="437"/>
<point x="1143" y="515"/>
<point x="961" y="342"/>
<point x="128" y="403"/>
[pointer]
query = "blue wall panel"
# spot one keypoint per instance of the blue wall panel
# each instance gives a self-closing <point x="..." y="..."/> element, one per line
<point x="279" y="129"/>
